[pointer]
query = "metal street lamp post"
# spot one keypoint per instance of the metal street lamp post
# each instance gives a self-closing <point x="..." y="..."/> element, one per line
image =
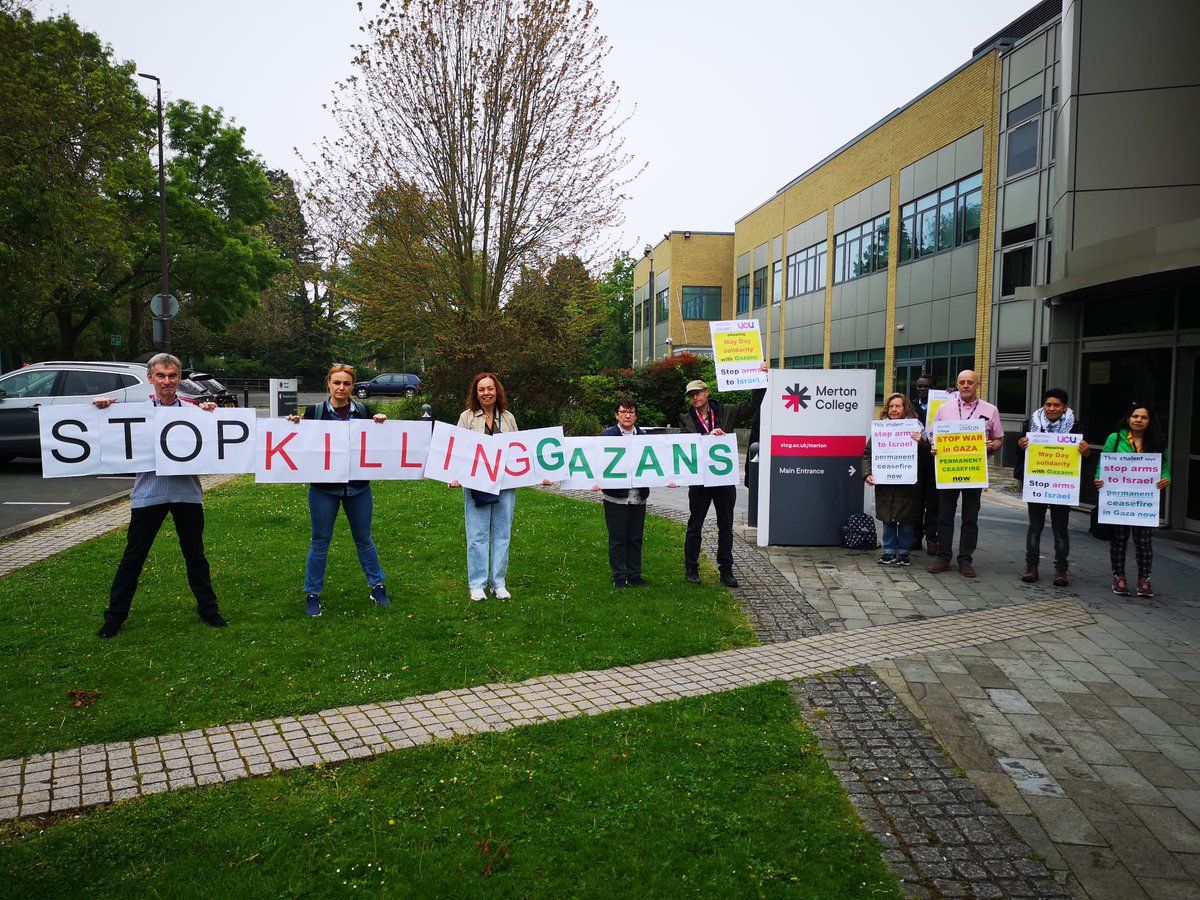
<point x="162" y="221"/>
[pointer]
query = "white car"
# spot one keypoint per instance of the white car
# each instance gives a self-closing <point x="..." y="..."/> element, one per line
<point x="23" y="391"/>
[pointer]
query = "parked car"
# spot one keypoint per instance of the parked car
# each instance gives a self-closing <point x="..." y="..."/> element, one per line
<point x="390" y="385"/>
<point x="216" y="391"/>
<point x="23" y="391"/>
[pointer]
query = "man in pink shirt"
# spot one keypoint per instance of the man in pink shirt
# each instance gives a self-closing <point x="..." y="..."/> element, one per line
<point x="966" y="405"/>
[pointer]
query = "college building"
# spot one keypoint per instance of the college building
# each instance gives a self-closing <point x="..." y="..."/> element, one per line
<point x="1035" y="215"/>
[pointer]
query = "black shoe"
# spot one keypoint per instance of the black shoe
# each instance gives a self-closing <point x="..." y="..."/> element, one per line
<point x="214" y="620"/>
<point x="619" y="582"/>
<point x="728" y="580"/>
<point x="109" y="630"/>
<point x="636" y="581"/>
<point x="692" y="576"/>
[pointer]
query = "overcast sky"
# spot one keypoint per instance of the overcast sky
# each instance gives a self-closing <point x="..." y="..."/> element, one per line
<point x="729" y="100"/>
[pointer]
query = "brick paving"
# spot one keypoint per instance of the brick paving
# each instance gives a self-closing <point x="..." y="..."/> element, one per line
<point x="998" y="739"/>
<point x="85" y="776"/>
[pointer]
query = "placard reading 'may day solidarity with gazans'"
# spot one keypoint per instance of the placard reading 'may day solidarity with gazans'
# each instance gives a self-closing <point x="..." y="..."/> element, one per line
<point x="1129" y="495"/>
<point x="738" y="354"/>
<point x="960" y="454"/>
<point x="1052" y="464"/>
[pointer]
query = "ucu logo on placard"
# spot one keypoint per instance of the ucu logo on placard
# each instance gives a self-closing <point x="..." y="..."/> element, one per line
<point x="744" y="324"/>
<point x="1065" y="439"/>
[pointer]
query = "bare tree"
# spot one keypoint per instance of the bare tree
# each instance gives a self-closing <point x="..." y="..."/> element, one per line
<point x="498" y="113"/>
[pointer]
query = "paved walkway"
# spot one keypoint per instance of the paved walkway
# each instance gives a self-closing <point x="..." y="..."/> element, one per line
<point x="1071" y="717"/>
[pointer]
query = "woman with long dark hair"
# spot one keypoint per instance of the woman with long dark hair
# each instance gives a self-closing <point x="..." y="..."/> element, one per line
<point x="1138" y="431"/>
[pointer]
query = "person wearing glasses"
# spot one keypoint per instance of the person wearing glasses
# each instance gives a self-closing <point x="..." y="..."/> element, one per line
<point x="353" y="496"/>
<point x="625" y="510"/>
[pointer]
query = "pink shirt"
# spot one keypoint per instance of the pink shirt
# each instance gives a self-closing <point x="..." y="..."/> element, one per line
<point x="954" y="410"/>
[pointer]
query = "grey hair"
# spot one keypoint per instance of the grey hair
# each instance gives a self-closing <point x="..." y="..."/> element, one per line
<point x="166" y="360"/>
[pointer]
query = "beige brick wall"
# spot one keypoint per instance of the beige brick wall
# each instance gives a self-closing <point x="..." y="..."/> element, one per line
<point x="702" y="260"/>
<point x="964" y="102"/>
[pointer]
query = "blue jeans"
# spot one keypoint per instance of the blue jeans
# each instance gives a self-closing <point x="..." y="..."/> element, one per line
<point x="488" y="525"/>
<point x="322" y="512"/>
<point x="897" y="538"/>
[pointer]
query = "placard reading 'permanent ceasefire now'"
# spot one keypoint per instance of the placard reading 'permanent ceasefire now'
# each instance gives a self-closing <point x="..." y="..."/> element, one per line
<point x="84" y="440"/>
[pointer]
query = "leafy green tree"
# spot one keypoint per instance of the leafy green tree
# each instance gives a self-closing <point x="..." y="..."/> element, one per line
<point x="75" y="181"/>
<point x="79" y="244"/>
<point x="610" y="345"/>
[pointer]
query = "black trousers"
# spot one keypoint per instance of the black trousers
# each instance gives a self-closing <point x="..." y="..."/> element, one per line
<point x="968" y="536"/>
<point x="927" y="478"/>
<point x="626" y="525"/>
<point x="144" y="524"/>
<point x="699" y="498"/>
<point x="1059" y="517"/>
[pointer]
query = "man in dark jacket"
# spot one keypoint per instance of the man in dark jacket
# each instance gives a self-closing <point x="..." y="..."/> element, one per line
<point x="625" y="510"/>
<point x="1054" y="416"/>
<point x="709" y="417"/>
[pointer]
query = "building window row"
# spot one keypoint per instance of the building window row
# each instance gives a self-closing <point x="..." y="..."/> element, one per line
<point x="942" y="220"/>
<point x="808" y="361"/>
<point x="760" y="287"/>
<point x="861" y="250"/>
<point x="743" y="295"/>
<point x="806" y="269"/>
<point x="702" y="302"/>
<point x="861" y="359"/>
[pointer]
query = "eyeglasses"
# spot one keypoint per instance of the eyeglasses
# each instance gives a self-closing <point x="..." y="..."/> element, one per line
<point x="341" y="367"/>
<point x="626" y="412"/>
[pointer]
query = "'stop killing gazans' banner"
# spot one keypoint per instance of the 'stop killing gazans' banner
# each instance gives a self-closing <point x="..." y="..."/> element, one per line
<point x="814" y="430"/>
<point x="139" y="437"/>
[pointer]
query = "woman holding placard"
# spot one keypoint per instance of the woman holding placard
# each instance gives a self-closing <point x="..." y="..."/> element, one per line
<point x="1137" y="432"/>
<point x="352" y="496"/>
<point x="488" y="516"/>
<point x="898" y="506"/>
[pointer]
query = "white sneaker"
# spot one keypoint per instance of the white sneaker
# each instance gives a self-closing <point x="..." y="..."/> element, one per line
<point x="478" y="594"/>
<point x="502" y="593"/>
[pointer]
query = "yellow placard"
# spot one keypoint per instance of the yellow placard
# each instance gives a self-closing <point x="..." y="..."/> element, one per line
<point x="960" y="454"/>
<point x="1057" y="461"/>
<point x="737" y="347"/>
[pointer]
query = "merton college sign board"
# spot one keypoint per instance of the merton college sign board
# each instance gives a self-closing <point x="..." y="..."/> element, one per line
<point x="814" y="429"/>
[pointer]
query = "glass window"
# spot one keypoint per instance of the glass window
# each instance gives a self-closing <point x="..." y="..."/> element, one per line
<point x="941" y="220"/>
<point x="743" y="295"/>
<point x="702" y="302"/>
<point x="1010" y="390"/>
<point x="1024" y="111"/>
<point x="1016" y="270"/>
<point x="777" y="281"/>
<point x="29" y="384"/>
<point x="660" y="305"/>
<point x="861" y="250"/>
<point x="88" y="384"/>
<point x="760" y="287"/>
<point x="970" y="211"/>
<point x="806" y="269"/>
<point x="1022" y="148"/>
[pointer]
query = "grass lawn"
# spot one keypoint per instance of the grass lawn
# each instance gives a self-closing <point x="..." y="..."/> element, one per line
<point x="726" y="795"/>
<point x="721" y="796"/>
<point x="168" y="672"/>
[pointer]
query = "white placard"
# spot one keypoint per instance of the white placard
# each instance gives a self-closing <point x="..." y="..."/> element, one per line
<point x="893" y="451"/>
<point x="316" y="451"/>
<point x="1129" y="495"/>
<point x="190" y="441"/>
<point x="388" y="451"/>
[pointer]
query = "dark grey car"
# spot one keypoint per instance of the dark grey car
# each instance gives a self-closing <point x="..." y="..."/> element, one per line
<point x="391" y="384"/>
